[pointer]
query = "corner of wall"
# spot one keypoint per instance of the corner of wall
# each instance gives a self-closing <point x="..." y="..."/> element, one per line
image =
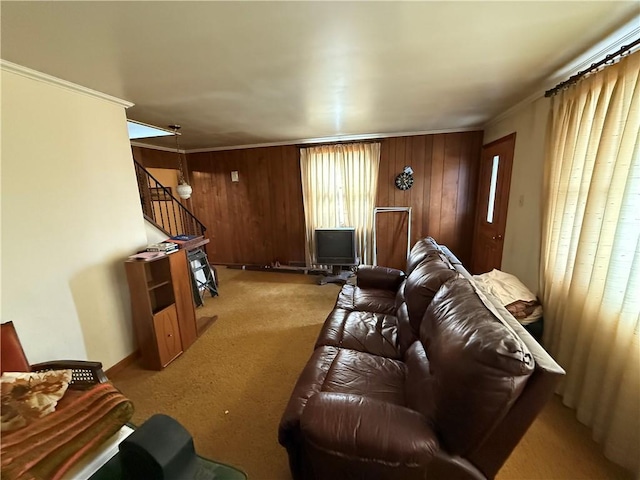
<point x="521" y="252"/>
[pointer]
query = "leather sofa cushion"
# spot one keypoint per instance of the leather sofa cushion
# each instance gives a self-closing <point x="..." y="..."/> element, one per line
<point x="370" y="332"/>
<point x="421" y="286"/>
<point x="400" y="298"/>
<point x="479" y="367"/>
<point x="367" y="375"/>
<point x="376" y="300"/>
<point x="419" y="385"/>
<point x="406" y="336"/>
<point x="332" y="369"/>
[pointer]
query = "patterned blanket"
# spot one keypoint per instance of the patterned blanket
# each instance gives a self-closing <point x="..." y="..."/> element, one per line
<point x="49" y="446"/>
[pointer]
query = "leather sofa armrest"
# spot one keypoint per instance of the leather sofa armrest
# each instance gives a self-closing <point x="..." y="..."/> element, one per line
<point x="373" y="276"/>
<point x="352" y="426"/>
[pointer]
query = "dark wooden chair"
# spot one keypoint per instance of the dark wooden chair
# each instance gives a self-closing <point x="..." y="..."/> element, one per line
<point x="13" y="359"/>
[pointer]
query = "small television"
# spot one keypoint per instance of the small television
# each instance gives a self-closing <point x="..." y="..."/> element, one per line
<point x="335" y="246"/>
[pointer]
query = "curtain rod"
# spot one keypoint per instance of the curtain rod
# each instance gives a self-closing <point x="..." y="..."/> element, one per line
<point x="574" y="78"/>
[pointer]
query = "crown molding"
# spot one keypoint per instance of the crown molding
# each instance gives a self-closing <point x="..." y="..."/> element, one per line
<point x="157" y="147"/>
<point x="338" y="138"/>
<point x="58" y="82"/>
<point x="623" y="36"/>
<point x="521" y="105"/>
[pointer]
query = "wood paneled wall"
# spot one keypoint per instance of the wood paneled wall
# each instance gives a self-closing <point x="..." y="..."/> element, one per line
<point x="260" y="219"/>
<point x="149" y="158"/>
<point x="445" y="170"/>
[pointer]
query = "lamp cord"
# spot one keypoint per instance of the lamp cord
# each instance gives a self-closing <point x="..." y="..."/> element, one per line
<point x="181" y="179"/>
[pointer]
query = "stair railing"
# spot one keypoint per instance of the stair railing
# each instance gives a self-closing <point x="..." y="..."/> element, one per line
<point x="164" y="210"/>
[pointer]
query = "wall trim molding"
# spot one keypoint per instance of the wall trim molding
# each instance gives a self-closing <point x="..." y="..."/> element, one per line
<point x="156" y="147"/>
<point x="58" y="82"/>
<point x="338" y="138"/>
<point x="122" y="364"/>
<point x="628" y="33"/>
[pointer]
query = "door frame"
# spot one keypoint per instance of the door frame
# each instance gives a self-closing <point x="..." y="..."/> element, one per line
<point x="504" y="183"/>
<point x="377" y="210"/>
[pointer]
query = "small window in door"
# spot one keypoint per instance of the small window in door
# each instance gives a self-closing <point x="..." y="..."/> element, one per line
<point x="492" y="189"/>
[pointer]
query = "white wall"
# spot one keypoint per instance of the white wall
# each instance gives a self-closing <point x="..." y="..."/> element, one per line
<point x="154" y="234"/>
<point x="521" y="254"/>
<point x="70" y="217"/>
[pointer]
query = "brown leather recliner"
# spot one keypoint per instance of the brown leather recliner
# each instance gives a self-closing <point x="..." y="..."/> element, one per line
<point x="443" y="388"/>
<point x="375" y="316"/>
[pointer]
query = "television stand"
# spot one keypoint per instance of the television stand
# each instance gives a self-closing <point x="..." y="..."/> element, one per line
<point x="337" y="275"/>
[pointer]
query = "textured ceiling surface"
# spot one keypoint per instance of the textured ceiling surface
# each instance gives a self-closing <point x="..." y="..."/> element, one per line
<point x="240" y="73"/>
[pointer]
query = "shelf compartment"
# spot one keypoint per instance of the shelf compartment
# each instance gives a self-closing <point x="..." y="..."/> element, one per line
<point x="152" y="285"/>
<point x="161" y="297"/>
<point x="157" y="272"/>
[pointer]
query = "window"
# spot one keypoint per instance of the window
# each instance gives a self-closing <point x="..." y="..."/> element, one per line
<point x="339" y="184"/>
<point x="492" y="189"/>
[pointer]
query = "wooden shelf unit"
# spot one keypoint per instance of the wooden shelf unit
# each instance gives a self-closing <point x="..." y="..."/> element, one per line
<point x="162" y="307"/>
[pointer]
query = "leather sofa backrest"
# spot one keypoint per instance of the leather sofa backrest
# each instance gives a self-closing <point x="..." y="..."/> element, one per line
<point x="423" y="249"/>
<point x="419" y="384"/>
<point x="477" y="368"/>
<point x="422" y="285"/>
<point x="400" y="299"/>
<point x="406" y="335"/>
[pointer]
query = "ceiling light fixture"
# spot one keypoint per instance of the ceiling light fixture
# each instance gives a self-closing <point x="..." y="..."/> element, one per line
<point x="184" y="189"/>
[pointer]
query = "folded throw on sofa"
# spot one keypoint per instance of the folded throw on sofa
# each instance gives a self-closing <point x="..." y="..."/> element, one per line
<point x="49" y="446"/>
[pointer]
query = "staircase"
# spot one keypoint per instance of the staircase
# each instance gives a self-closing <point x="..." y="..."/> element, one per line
<point x="164" y="210"/>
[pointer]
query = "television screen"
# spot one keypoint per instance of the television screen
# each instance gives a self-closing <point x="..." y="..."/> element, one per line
<point x="335" y="246"/>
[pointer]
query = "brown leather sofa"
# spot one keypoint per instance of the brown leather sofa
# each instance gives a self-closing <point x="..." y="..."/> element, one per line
<point x="415" y="375"/>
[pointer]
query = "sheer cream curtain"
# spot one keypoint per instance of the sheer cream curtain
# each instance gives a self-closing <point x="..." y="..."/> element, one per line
<point x="339" y="185"/>
<point x="590" y="257"/>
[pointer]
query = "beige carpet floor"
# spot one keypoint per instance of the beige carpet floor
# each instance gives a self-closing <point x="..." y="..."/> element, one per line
<point x="230" y="388"/>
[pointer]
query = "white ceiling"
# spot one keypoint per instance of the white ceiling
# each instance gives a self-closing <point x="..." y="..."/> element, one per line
<point x="240" y="73"/>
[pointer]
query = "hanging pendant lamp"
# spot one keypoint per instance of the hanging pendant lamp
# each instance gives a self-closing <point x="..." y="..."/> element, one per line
<point x="184" y="189"/>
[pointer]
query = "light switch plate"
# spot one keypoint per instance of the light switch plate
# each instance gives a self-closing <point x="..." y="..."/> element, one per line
<point x="234" y="176"/>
